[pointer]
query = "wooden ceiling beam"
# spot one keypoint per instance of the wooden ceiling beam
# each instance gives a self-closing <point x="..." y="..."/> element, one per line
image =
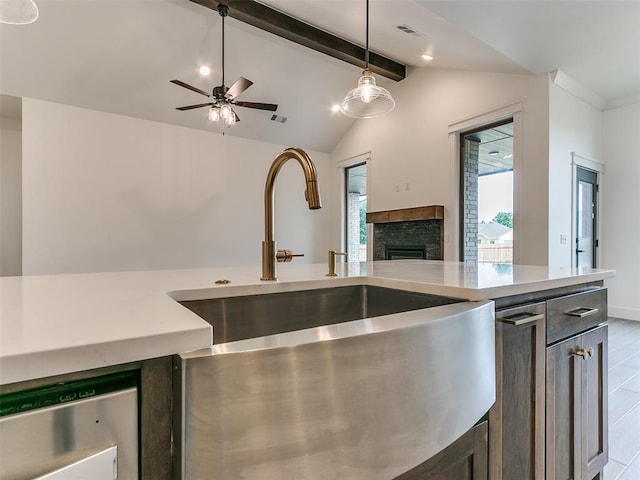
<point x="278" y="23"/>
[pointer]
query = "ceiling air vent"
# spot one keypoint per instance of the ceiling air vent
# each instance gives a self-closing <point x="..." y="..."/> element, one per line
<point x="278" y="118"/>
<point x="408" y="30"/>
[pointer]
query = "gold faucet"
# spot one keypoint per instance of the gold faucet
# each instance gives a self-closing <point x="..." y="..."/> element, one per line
<point x="311" y="194"/>
<point x="332" y="262"/>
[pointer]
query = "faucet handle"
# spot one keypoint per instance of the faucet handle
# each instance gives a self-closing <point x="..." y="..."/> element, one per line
<point x="332" y="262"/>
<point x="286" y="255"/>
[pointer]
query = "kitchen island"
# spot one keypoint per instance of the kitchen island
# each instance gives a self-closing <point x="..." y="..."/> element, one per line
<point x="59" y="325"/>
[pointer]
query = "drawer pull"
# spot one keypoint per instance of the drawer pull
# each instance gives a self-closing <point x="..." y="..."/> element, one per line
<point x="583" y="312"/>
<point x="521" y="318"/>
<point x="583" y="352"/>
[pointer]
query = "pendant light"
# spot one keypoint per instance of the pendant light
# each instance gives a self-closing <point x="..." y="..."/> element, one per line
<point x="18" y="12"/>
<point x="367" y="100"/>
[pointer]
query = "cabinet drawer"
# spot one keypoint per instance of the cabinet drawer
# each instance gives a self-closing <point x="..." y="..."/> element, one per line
<point x="572" y="314"/>
<point x="521" y="314"/>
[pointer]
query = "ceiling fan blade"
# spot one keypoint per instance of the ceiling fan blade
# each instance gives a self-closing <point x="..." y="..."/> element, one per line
<point x="260" y="106"/>
<point x="237" y="117"/>
<point x="191" y="107"/>
<point x="190" y="87"/>
<point x="238" y="87"/>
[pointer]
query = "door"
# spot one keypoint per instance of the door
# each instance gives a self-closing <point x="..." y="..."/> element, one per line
<point x="356" y="212"/>
<point x="586" y="217"/>
<point x="577" y="406"/>
<point x="486" y="193"/>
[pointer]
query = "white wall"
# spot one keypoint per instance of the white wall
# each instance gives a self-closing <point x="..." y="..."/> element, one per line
<point x="574" y="126"/>
<point x="412" y="145"/>
<point x="104" y="192"/>
<point x="621" y="210"/>
<point x="10" y="197"/>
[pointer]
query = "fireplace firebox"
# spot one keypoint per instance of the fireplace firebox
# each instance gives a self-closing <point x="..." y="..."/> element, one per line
<point x="402" y="252"/>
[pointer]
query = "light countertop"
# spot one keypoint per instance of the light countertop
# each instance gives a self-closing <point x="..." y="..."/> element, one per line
<point x="56" y="324"/>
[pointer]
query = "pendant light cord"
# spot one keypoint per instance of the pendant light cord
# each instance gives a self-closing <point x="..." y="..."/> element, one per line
<point x="366" y="49"/>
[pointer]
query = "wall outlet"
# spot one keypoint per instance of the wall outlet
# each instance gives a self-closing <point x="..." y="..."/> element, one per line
<point x="397" y="188"/>
<point x="406" y="186"/>
<point x="563" y="239"/>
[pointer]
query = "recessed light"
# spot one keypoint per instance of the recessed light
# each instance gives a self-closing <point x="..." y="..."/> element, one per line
<point x="426" y="56"/>
<point x="204" y="70"/>
<point x="335" y="108"/>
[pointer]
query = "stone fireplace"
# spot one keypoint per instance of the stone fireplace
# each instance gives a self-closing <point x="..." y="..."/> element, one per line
<point x="408" y="233"/>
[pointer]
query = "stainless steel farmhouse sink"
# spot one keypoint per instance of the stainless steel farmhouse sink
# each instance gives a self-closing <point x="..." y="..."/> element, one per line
<point x="354" y="382"/>
<point x="249" y="316"/>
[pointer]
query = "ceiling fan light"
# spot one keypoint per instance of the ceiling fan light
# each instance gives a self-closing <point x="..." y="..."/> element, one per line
<point x="226" y="112"/>
<point x="18" y="12"/>
<point x="367" y="100"/>
<point x="231" y="119"/>
<point x="214" y="114"/>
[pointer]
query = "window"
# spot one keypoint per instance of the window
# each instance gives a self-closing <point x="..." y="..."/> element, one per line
<point x="356" y="212"/>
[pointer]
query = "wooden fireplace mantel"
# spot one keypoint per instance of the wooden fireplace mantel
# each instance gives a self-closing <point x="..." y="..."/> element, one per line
<point x="431" y="212"/>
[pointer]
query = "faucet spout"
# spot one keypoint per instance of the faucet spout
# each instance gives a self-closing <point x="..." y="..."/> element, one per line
<point x="312" y="196"/>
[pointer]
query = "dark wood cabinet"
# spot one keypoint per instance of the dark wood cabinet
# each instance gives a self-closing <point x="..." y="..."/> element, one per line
<point x="464" y="459"/>
<point x="577" y="406"/>
<point x="517" y="419"/>
<point x="569" y="315"/>
<point x="549" y="420"/>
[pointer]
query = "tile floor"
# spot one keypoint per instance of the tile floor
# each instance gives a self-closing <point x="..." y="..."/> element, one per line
<point x="624" y="400"/>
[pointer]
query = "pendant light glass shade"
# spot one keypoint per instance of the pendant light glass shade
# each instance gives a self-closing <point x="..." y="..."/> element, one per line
<point x="367" y="100"/>
<point x="18" y="12"/>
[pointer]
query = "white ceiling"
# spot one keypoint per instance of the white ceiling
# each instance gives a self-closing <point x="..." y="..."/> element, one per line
<point x="119" y="55"/>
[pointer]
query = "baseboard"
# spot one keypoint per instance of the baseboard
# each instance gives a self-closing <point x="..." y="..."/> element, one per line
<point x="623" y="312"/>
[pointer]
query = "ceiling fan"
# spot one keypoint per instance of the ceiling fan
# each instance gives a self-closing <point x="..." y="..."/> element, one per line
<point x="223" y="97"/>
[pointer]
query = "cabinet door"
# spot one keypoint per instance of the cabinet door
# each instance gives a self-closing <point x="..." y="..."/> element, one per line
<point x="577" y="406"/>
<point x="564" y="376"/>
<point x="594" y="403"/>
<point x="517" y="419"/>
<point x="464" y="459"/>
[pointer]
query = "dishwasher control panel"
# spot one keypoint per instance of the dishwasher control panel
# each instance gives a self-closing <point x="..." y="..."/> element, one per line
<point x="72" y="428"/>
<point x="65" y="392"/>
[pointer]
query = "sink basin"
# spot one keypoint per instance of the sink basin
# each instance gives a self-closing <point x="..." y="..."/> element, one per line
<point x="357" y="381"/>
<point x="249" y="316"/>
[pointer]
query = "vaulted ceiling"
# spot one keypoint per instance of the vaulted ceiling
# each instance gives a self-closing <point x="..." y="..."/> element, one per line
<point x="119" y="55"/>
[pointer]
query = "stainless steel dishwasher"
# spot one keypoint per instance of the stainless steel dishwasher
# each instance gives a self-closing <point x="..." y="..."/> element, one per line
<point x="76" y="430"/>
